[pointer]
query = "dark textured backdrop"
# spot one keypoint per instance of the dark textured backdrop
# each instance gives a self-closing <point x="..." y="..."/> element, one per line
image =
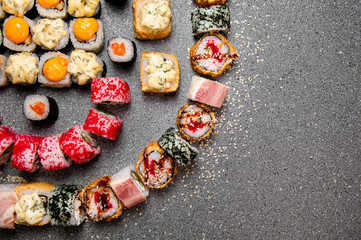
<point x="284" y="160"/>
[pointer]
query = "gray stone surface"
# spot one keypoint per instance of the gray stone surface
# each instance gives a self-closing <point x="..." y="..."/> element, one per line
<point x="284" y="160"/>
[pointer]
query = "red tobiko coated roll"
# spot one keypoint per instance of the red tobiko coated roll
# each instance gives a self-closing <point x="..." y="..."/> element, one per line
<point x="7" y="139"/>
<point x="110" y="90"/>
<point x="78" y="145"/>
<point x="102" y="124"/>
<point x="51" y="156"/>
<point x="25" y="153"/>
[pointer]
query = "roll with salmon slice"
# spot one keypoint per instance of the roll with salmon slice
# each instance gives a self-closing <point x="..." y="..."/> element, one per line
<point x="100" y="201"/>
<point x="128" y="187"/>
<point x="8" y="199"/>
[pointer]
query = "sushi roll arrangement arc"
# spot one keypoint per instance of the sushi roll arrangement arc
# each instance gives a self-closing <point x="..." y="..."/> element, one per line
<point x="195" y="121"/>
<point x="212" y="54"/>
<point x="40" y="108"/>
<point x="152" y="19"/>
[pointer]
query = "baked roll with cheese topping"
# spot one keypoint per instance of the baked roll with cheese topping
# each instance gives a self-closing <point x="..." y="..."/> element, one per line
<point x="152" y="19"/>
<point x="159" y="72"/>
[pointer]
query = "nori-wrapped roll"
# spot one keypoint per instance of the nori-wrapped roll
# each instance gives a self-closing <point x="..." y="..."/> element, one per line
<point x="211" y="19"/>
<point x="65" y="206"/>
<point x="177" y="147"/>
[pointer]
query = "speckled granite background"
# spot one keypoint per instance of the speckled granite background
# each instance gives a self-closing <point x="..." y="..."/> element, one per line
<point x="284" y="161"/>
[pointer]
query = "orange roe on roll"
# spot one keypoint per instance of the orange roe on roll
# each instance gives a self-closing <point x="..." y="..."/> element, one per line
<point x="85" y="28"/>
<point x="118" y="49"/>
<point x="55" y="69"/>
<point x="48" y="3"/>
<point x="17" y="30"/>
<point x="38" y="108"/>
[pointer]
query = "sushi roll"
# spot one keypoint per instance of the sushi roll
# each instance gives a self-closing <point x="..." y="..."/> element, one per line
<point x="83" y="8"/>
<point x="54" y="70"/>
<point x="128" y="187"/>
<point x="87" y="34"/>
<point x="25" y="153"/>
<point x="213" y="19"/>
<point x="208" y="3"/>
<point x="122" y="50"/>
<point x="100" y="201"/>
<point x="159" y="72"/>
<point x="7" y="140"/>
<point x="195" y="121"/>
<point x="65" y="207"/>
<point x="102" y="124"/>
<point x="17" y="7"/>
<point x="40" y="109"/>
<point x="110" y="90"/>
<point x="17" y="34"/>
<point x="3" y="79"/>
<point x="8" y="199"/>
<point x="52" y="158"/>
<point x="32" y="207"/>
<point x="51" y="34"/>
<point x="177" y="147"/>
<point x="207" y="91"/>
<point x="52" y="8"/>
<point x="155" y="167"/>
<point x="212" y="54"/>
<point x="22" y="68"/>
<point x="84" y="66"/>
<point x="3" y="14"/>
<point x="152" y="19"/>
<point x="79" y="145"/>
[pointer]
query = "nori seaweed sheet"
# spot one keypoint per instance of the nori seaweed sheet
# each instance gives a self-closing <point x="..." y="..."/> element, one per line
<point x="177" y="147"/>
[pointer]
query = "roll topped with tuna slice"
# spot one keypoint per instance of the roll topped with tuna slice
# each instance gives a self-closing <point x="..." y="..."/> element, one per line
<point x="195" y="121"/>
<point x="212" y="54"/>
<point x="8" y="199"/>
<point x="155" y="167"/>
<point x="100" y="201"/>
